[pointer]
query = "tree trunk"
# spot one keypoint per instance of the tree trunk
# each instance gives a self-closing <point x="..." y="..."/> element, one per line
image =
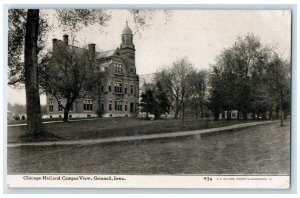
<point x="66" y="115"/>
<point x="253" y="115"/>
<point x="245" y="115"/>
<point x="182" y="117"/>
<point x="196" y="107"/>
<point x="67" y="110"/>
<point x="277" y="113"/>
<point x="270" y="114"/>
<point x="264" y="115"/>
<point x="34" y="116"/>
<point x="216" y="116"/>
<point x="176" y="108"/>
<point x="202" y="111"/>
<point x="229" y="115"/>
<point x="281" y="116"/>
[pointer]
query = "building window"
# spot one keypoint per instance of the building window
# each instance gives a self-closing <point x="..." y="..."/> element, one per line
<point x="118" y="87"/>
<point x="110" y="105"/>
<point x="131" y="70"/>
<point x="88" y="105"/>
<point x="118" y="105"/>
<point x="118" y="68"/>
<point x="125" y="88"/>
<point x="60" y="108"/>
<point x="109" y="87"/>
<point x="131" y="107"/>
<point x="102" y="105"/>
<point x="125" y="106"/>
<point x="102" y="88"/>
<point x="131" y="89"/>
<point x="50" y="105"/>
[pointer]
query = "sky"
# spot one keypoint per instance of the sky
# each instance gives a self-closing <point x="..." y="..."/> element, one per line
<point x="198" y="35"/>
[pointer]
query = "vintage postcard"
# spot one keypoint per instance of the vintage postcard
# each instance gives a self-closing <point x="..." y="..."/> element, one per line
<point x="149" y="98"/>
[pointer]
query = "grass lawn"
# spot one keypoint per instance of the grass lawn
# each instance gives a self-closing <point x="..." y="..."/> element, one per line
<point x="263" y="149"/>
<point x="99" y="128"/>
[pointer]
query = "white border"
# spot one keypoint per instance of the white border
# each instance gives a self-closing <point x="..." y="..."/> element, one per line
<point x="2" y="94"/>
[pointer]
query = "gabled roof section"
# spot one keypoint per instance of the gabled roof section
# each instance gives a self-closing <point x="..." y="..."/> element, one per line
<point x="109" y="53"/>
<point x="105" y="65"/>
<point x="105" y="54"/>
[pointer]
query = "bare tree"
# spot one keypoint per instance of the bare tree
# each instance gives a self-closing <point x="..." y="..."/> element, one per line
<point x="198" y="88"/>
<point x="175" y="82"/>
<point x="69" y="70"/>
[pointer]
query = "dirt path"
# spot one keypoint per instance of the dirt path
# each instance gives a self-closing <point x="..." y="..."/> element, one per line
<point x="139" y="137"/>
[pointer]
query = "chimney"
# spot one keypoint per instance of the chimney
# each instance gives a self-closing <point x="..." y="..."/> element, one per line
<point x="91" y="49"/>
<point x="54" y="41"/>
<point x="66" y="39"/>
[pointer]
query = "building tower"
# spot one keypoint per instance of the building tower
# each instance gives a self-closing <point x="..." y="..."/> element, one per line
<point x="127" y="48"/>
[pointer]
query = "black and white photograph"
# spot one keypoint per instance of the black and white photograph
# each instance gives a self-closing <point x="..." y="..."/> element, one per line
<point x="149" y="98"/>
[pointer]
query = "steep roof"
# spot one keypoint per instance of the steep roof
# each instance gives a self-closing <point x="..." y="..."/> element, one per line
<point x="105" y="54"/>
<point x="99" y="55"/>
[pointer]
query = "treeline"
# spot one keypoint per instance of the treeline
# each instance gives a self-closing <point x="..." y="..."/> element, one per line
<point x="251" y="79"/>
<point x="20" y="109"/>
<point x="247" y="77"/>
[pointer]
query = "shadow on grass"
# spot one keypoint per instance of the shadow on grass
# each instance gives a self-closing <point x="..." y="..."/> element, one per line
<point x="40" y="137"/>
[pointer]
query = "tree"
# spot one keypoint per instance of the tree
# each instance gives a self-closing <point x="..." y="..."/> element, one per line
<point x="68" y="71"/>
<point x="147" y="103"/>
<point x="154" y="100"/>
<point x="174" y="81"/>
<point x="162" y="100"/>
<point x="32" y="31"/>
<point x="198" y="85"/>
<point x="236" y="65"/>
<point x="278" y="81"/>
<point x="215" y="92"/>
<point x="16" y="37"/>
<point x="245" y="77"/>
<point x="34" y="117"/>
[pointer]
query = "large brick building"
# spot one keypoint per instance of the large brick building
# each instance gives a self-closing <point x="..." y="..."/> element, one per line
<point x="119" y="86"/>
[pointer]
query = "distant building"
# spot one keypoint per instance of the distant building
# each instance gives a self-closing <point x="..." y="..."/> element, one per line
<point x="145" y="79"/>
<point x="10" y="115"/>
<point x="119" y="87"/>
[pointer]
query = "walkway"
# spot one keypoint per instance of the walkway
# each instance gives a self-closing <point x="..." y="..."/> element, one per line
<point x="197" y="133"/>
